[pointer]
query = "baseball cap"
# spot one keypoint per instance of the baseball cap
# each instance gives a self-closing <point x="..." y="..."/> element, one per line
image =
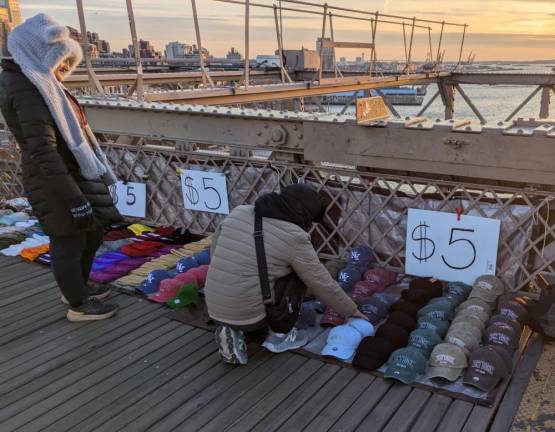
<point x="331" y="318"/>
<point x="450" y="302"/>
<point x="169" y="288"/>
<point x="463" y="339"/>
<point x="424" y="340"/>
<point x="152" y="281"/>
<point x="361" y="257"/>
<point x="473" y="320"/>
<point x="488" y="288"/>
<point x="364" y="289"/>
<point x="374" y="306"/>
<point x="393" y="333"/>
<point x="386" y="299"/>
<point x="203" y="257"/>
<point x="403" y="320"/>
<point x="476" y="304"/>
<point x="187" y="295"/>
<point x="342" y="342"/>
<point x="458" y="289"/>
<point x="437" y="325"/>
<point x="502" y="320"/>
<point x="362" y="326"/>
<point x="447" y="361"/>
<point x="438" y="311"/>
<point x="466" y="326"/>
<point x="348" y="277"/>
<point x="372" y="353"/>
<point x="407" y="307"/>
<point x="486" y="368"/>
<point x="423" y="290"/>
<point x="405" y="364"/>
<point x="186" y="264"/>
<point x="381" y="276"/>
<point x="503" y="336"/>
<point x="200" y="273"/>
<point x="513" y="309"/>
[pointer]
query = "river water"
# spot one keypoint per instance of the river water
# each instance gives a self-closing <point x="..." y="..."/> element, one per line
<point x="494" y="102"/>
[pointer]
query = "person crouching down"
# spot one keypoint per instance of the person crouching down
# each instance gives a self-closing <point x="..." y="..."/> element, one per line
<point x="234" y="294"/>
<point x="65" y="174"/>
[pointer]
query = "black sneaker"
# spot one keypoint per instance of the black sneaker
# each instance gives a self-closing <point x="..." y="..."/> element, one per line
<point x="96" y="292"/>
<point x="92" y="310"/>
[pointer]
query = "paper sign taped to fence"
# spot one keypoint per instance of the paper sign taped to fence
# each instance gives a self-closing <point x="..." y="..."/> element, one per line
<point x="442" y="246"/>
<point x="129" y="198"/>
<point x="371" y="109"/>
<point x="205" y="191"/>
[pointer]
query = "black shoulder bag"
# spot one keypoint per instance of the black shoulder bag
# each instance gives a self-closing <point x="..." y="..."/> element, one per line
<point x="283" y="309"/>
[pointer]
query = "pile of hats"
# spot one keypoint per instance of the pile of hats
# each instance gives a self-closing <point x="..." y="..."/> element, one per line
<point x="343" y="340"/>
<point x="417" y="302"/>
<point x="359" y="260"/>
<point x="489" y="364"/>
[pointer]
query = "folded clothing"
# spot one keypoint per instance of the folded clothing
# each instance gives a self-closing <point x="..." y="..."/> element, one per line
<point x="44" y="259"/>
<point x="138" y="228"/>
<point x="32" y="241"/>
<point x="13" y="218"/>
<point x="33" y="253"/>
<point x="142" y="248"/>
<point x="118" y="234"/>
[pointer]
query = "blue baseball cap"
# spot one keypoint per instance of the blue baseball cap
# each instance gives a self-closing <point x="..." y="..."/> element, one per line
<point x="349" y="276"/>
<point x="203" y="258"/>
<point x="151" y="284"/>
<point x="186" y="264"/>
<point x="342" y="342"/>
<point x="361" y="257"/>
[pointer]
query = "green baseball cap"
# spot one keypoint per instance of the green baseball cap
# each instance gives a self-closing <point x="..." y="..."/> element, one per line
<point x="187" y="296"/>
<point x="447" y="361"/>
<point x="475" y="304"/>
<point x="446" y="301"/>
<point x="458" y="289"/>
<point x="474" y="320"/>
<point x="405" y="365"/>
<point x="424" y="340"/>
<point x="463" y="339"/>
<point x="443" y="311"/>
<point x="437" y="325"/>
<point x="487" y="288"/>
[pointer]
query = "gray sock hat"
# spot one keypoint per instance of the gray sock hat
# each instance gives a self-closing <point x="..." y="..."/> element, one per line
<point x="39" y="46"/>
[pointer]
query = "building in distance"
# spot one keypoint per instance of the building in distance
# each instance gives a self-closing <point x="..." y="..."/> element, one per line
<point x="10" y="16"/>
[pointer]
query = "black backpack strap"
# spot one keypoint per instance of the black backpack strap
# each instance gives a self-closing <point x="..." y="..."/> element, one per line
<point x="261" y="261"/>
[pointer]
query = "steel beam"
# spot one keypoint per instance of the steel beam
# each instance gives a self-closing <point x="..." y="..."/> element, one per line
<point x="503" y="78"/>
<point x="514" y="152"/>
<point x="260" y="93"/>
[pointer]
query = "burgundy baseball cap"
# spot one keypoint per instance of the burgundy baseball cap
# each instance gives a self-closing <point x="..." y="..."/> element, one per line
<point x="403" y="320"/>
<point x="503" y="336"/>
<point x="331" y="318"/>
<point x="486" y="368"/>
<point x="381" y="276"/>
<point x="423" y="290"/>
<point x="373" y="352"/>
<point x="407" y="307"/>
<point x="505" y="320"/>
<point x="364" y="289"/>
<point x="393" y="333"/>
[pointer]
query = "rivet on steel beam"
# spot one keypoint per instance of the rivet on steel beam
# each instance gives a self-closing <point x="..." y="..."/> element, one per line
<point x="468" y="128"/>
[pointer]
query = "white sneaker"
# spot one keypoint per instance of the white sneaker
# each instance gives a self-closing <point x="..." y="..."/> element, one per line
<point x="232" y="346"/>
<point x="293" y="340"/>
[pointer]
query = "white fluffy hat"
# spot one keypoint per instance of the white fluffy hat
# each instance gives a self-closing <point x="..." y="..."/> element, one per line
<point x="45" y="40"/>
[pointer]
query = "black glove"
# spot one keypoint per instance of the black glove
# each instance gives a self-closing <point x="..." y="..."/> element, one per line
<point x="82" y="213"/>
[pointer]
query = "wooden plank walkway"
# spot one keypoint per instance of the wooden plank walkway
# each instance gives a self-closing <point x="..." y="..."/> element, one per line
<point x="141" y="371"/>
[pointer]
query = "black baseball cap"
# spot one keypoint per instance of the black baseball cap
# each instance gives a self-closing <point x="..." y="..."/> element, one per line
<point x="393" y="333"/>
<point x="407" y="307"/>
<point x="403" y="320"/>
<point x="486" y="368"/>
<point x="503" y="336"/>
<point x="505" y="320"/>
<point x="373" y="352"/>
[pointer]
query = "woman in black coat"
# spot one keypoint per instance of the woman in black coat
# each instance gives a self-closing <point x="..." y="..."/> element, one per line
<point x="71" y="207"/>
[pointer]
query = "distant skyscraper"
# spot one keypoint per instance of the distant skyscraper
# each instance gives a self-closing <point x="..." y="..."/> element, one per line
<point x="233" y="54"/>
<point x="10" y="16"/>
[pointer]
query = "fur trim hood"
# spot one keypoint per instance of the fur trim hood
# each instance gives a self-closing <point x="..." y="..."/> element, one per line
<point x="47" y="41"/>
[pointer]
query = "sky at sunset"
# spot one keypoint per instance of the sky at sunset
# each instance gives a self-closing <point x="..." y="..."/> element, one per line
<point x="498" y="29"/>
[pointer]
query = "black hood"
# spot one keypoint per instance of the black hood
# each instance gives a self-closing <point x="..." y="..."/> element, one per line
<point x="10" y="65"/>
<point x="299" y="204"/>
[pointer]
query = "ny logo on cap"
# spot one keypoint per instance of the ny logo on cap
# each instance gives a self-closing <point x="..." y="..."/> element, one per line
<point x="343" y="277"/>
<point x="150" y="278"/>
<point x="355" y="255"/>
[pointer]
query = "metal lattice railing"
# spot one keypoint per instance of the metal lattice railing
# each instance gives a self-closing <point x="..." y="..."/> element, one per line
<point x="367" y="208"/>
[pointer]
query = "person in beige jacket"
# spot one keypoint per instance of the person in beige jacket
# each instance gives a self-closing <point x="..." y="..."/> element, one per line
<point x="233" y="293"/>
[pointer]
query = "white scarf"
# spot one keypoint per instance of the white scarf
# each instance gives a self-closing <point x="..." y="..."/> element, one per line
<point x="39" y="46"/>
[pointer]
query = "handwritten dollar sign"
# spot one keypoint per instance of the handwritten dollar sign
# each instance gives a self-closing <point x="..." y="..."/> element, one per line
<point x="191" y="192"/>
<point x="419" y="234"/>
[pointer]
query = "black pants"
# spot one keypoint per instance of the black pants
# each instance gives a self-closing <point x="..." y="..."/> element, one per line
<point x="72" y="258"/>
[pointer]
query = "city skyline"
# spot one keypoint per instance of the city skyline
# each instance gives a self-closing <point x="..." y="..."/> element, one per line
<point x="499" y="30"/>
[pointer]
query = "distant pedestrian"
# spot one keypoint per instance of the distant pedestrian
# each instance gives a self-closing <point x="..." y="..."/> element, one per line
<point x="65" y="173"/>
